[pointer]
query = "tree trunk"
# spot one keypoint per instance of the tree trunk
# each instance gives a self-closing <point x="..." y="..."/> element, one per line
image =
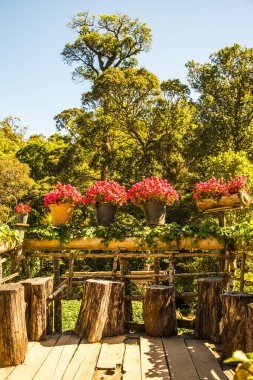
<point x="234" y="311"/>
<point x="39" y="311"/>
<point x="102" y="310"/>
<point x="249" y="328"/>
<point x="209" y="308"/>
<point x="158" y="311"/>
<point x="13" y="335"/>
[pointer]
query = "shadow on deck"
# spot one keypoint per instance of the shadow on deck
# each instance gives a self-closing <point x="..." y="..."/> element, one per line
<point x="130" y="357"/>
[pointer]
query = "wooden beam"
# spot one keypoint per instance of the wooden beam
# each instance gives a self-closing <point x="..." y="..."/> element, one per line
<point x="9" y="277"/>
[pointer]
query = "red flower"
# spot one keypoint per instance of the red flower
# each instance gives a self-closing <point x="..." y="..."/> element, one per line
<point x="22" y="208"/>
<point x="107" y="192"/>
<point x="152" y="189"/>
<point x="63" y="194"/>
<point x="215" y="188"/>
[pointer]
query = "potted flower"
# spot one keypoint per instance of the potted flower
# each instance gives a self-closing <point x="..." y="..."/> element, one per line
<point x="106" y="196"/>
<point x="61" y="202"/>
<point x="153" y="194"/>
<point x="214" y="193"/>
<point x="22" y="212"/>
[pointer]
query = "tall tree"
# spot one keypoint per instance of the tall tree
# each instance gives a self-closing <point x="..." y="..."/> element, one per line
<point x="105" y="41"/>
<point x="225" y="103"/>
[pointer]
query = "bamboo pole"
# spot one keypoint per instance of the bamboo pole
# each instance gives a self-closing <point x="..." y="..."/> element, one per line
<point x="128" y="244"/>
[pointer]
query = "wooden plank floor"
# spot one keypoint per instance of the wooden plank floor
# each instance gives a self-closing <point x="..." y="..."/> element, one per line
<point x="131" y="357"/>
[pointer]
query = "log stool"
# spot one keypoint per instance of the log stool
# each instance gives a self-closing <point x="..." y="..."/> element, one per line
<point x="209" y="308"/>
<point x="249" y="328"/>
<point x="39" y="311"/>
<point x="102" y="310"/>
<point x="13" y="336"/>
<point x="234" y="311"/>
<point x="159" y="311"/>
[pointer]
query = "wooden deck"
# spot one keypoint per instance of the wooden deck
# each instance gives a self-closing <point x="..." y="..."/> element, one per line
<point x="136" y="357"/>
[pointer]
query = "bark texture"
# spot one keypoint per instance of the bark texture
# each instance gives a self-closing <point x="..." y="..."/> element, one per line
<point x="249" y="328"/>
<point x="102" y="310"/>
<point x="13" y="335"/>
<point x="158" y="311"/>
<point x="39" y="310"/>
<point x="234" y="321"/>
<point x="209" y="308"/>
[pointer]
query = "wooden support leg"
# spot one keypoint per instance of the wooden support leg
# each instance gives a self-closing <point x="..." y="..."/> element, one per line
<point x="243" y="262"/>
<point x="157" y="269"/>
<point x="57" y="302"/>
<point x="171" y="273"/>
<point x="70" y="275"/>
<point x="232" y="270"/>
<point x="124" y="270"/>
<point x="13" y="335"/>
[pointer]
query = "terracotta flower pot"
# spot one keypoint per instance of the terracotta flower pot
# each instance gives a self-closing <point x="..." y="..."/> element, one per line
<point x="105" y="213"/>
<point x="62" y="213"/>
<point x="21" y="218"/>
<point x="155" y="213"/>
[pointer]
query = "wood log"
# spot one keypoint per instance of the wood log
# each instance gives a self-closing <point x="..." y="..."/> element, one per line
<point x="249" y="328"/>
<point x="158" y="311"/>
<point x="39" y="310"/>
<point x="13" y="335"/>
<point x="128" y="244"/>
<point x="233" y="324"/>
<point x="209" y="308"/>
<point x="102" y="310"/>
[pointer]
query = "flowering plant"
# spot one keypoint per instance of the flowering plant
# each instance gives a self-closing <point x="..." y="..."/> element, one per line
<point x="63" y="194"/>
<point x="216" y="188"/>
<point x="152" y="190"/>
<point x="107" y="192"/>
<point x="21" y="208"/>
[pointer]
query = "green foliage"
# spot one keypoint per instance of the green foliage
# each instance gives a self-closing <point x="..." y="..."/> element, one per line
<point x="70" y="310"/>
<point x="105" y="41"/>
<point x="8" y="234"/>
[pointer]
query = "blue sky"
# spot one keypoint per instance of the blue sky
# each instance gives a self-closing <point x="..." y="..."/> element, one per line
<point x="35" y="84"/>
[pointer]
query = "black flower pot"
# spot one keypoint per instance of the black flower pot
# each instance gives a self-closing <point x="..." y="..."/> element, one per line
<point x="155" y="213"/>
<point x="105" y="213"/>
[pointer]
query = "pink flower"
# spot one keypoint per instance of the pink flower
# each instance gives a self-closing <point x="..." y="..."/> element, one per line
<point x="63" y="194"/>
<point x="215" y="188"/>
<point x="22" y="208"/>
<point x="152" y="189"/>
<point x="107" y="192"/>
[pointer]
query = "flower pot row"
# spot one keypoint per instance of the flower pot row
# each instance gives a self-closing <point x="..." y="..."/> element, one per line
<point x="153" y="194"/>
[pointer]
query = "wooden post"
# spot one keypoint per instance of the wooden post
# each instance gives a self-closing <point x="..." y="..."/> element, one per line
<point x="13" y="335"/>
<point x="124" y="270"/>
<point x="232" y="270"/>
<point x="249" y="328"/>
<point x="243" y="262"/>
<point x="57" y="302"/>
<point x="234" y="311"/>
<point x="38" y="311"/>
<point x="157" y="269"/>
<point x="158" y="311"/>
<point x="209" y="308"/>
<point x="70" y="275"/>
<point x="1" y="267"/>
<point x="102" y="310"/>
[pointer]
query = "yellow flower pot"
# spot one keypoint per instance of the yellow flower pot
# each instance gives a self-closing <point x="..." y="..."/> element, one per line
<point x="62" y="213"/>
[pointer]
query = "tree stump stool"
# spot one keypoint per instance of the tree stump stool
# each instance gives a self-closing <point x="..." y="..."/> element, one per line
<point x="39" y="311"/>
<point x="13" y="335"/>
<point x="209" y="308"/>
<point x="159" y="311"/>
<point x="249" y="328"/>
<point x="102" y="310"/>
<point x="234" y="321"/>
